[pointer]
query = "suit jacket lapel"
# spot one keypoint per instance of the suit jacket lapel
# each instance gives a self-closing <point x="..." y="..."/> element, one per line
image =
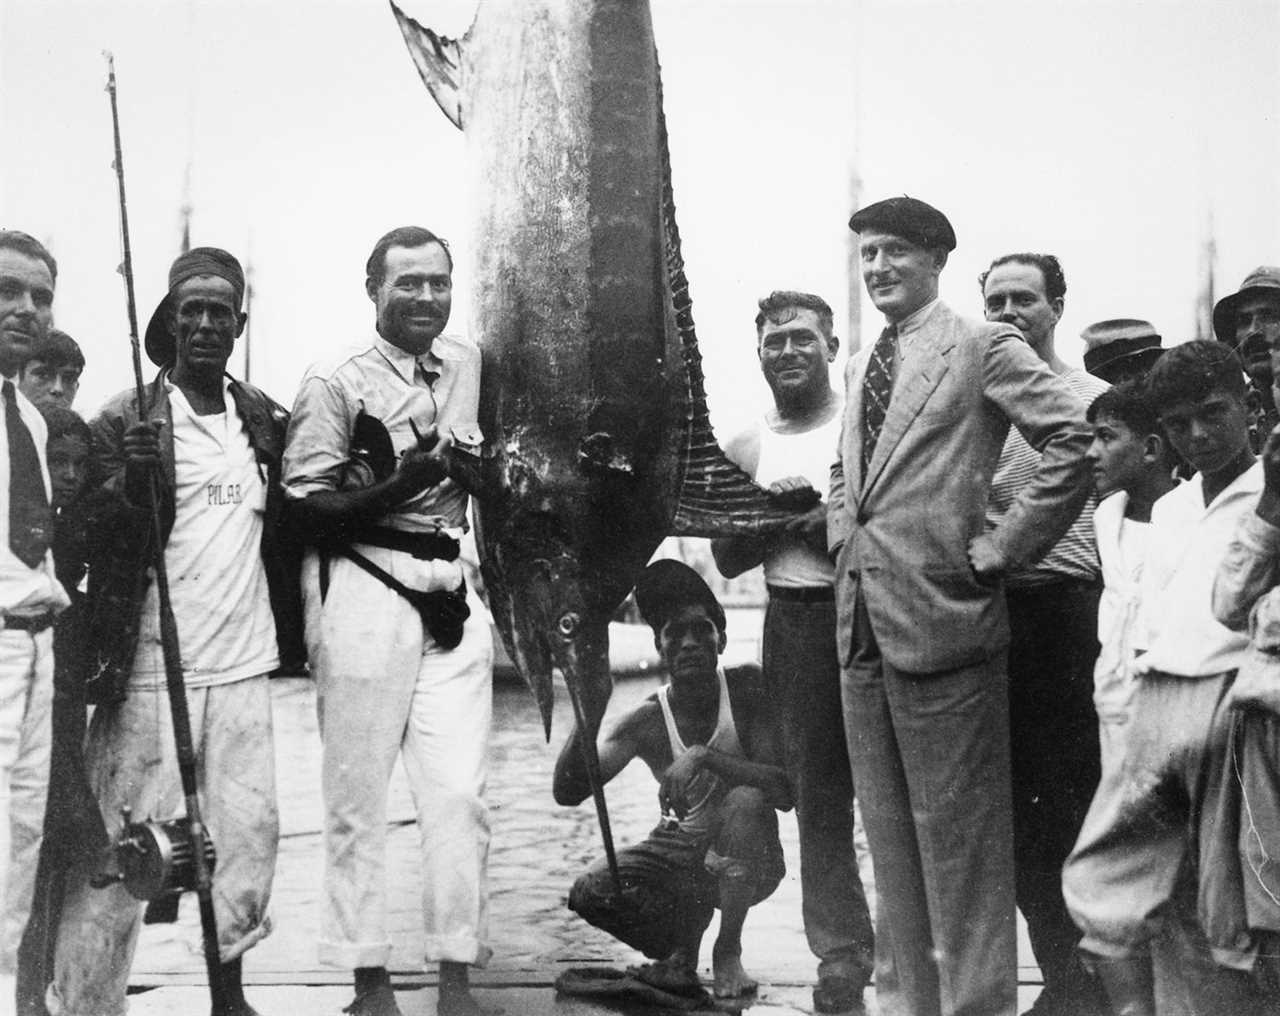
<point x="920" y="377"/>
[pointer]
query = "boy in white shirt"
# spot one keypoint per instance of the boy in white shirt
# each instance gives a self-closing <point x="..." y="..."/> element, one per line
<point x="1132" y="469"/>
<point x="1152" y="817"/>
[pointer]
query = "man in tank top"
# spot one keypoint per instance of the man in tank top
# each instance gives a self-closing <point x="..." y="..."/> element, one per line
<point x="789" y="451"/>
<point x="710" y="742"/>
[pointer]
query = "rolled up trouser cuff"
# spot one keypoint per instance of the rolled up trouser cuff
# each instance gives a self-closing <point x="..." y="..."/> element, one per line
<point x="351" y="955"/>
<point x="457" y="949"/>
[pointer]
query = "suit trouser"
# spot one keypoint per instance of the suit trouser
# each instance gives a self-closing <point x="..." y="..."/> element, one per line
<point x="386" y="690"/>
<point x="131" y="761"/>
<point x="1055" y="755"/>
<point x="26" y="695"/>
<point x="930" y="756"/>
<point x="802" y="671"/>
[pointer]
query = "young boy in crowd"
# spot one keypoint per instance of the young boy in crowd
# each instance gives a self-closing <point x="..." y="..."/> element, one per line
<point x="72" y="823"/>
<point x="51" y="375"/>
<point x="1132" y="469"/>
<point x="1152" y="816"/>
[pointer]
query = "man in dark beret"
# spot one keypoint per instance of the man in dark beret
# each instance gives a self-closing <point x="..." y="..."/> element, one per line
<point x="709" y="739"/>
<point x="923" y="631"/>
<point x="207" y="449"/>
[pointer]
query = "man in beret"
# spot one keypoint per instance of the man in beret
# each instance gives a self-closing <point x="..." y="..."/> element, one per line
<point x="1248" y="321"/>
<point x="923" y="631"/>
<point x="30" y="595"/>
<point x="1120" y="349"/>
<point x="710" y="741"/>
<point x="204" y="452"/>
<point x="1053" y="626"/>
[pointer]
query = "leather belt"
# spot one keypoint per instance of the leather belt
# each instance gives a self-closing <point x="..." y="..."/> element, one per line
<point x="32" y="623"/>
<point x="803" y="594"/>
<point x="437" y="546"/>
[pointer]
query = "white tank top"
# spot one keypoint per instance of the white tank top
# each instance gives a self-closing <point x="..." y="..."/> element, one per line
<point x="707" y="788"/>
<point x="793" y="563"/>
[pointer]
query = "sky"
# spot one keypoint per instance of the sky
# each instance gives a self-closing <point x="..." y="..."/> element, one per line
<point x="1111" y="134"/>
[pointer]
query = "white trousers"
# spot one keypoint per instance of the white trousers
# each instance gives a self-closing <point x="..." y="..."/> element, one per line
<point x="386" y="690"/>
<point x="26" y="700"/>
<point x="131" y="761"/>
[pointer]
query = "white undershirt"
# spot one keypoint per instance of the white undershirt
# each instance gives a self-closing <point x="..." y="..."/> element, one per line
<point x="226" y="631"/>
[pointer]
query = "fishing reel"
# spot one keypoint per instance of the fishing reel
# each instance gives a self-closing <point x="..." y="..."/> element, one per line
<point x="156" y="863"/>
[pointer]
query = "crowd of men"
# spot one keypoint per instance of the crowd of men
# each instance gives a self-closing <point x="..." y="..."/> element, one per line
<point x="1029" y="613"/>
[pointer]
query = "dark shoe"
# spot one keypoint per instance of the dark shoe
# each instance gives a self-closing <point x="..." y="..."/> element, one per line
<point x="839" y="995"/>
<point x="381" y="1001"/>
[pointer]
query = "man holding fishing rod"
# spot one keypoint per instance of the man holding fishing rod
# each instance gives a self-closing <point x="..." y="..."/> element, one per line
<point x="212" y="447"/>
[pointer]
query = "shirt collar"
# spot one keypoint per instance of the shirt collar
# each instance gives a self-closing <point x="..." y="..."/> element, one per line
<point x="916" y="320"/>
<point x="403" y="362"/>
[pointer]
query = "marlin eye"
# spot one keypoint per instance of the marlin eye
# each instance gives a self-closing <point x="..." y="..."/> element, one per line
<point x="568" y="624"/>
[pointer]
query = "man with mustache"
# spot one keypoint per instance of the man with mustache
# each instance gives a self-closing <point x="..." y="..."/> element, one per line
<point x="922" y="629"/>
<point x="789" y="452"/>
<point x="30" y="595"/>
<point x="400" y="648"/>
<point x="208" y="453"/>
<point x="1248" y="321"/>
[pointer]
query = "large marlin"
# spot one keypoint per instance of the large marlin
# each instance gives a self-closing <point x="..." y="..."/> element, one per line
<point x="597" y="440"/>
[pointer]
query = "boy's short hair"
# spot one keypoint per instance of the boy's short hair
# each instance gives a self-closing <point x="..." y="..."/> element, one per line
<point x="1130" y="403"/>
<point x="62" y="422"/>
<point x="57" y="349"/>
<point x="1192" y="370"/>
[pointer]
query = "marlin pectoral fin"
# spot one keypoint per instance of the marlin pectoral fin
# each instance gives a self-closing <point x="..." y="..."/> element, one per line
<point x="439" y="63"/>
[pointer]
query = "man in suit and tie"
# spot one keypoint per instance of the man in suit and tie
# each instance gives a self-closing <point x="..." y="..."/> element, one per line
<point x="923" y="630"/>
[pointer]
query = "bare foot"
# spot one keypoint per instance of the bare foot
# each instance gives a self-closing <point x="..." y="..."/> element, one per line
<point x="678" y="978"/>
<point x="731" y="981"/>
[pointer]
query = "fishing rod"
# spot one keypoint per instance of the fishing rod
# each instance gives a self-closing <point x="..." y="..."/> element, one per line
<point x="163" y="859"/>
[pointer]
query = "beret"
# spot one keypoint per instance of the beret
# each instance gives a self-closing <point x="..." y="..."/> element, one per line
<point x="909" y="218"/>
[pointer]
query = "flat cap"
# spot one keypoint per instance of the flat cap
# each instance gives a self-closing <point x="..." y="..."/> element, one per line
<point x="1108" y="344"/>
<point x="193" y="263"/>
<point x="909" y="218"/>
<point x="1263" y="280"/>
<point x="667" y="586"/>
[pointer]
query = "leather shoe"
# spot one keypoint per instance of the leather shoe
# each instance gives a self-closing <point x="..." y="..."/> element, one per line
<point x="381" y="1001"/>
<point x="839" y="995"/>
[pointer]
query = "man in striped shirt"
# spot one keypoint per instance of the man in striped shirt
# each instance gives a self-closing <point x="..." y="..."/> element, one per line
<point x="1053" y="620"/>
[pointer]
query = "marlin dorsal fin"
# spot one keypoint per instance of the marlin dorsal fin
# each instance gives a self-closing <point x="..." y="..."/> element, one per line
<point x="715" y="497"/>
<point x="439" y="63"/>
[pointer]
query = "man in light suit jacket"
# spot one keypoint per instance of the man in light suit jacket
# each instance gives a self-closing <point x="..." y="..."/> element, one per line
<point x="923" y="631"/>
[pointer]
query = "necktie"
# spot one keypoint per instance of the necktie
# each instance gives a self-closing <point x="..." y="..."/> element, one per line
<point x="877" y="389"/>
<point x="30" y="521"/>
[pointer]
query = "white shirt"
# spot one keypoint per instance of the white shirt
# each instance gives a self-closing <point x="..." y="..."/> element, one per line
<point x="221" y="603"/>
<point x="1122" y="550"/>
<point x="793" y="562"/>
<point x="1188" y="542"/>
<point x="25" y="590"/>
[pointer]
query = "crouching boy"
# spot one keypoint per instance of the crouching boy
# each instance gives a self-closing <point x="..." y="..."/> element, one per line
<point x="709" y="740"/>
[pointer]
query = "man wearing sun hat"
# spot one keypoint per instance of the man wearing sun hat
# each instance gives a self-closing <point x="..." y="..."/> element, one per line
<point x="210" y="447"/>
<point x="1120" y="349"/>
<point x="1249" y="322"/>
<point x="923" y="632"/>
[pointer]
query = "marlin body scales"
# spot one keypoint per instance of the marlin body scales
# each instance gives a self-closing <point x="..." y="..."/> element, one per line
<point x="597" y="442"/>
